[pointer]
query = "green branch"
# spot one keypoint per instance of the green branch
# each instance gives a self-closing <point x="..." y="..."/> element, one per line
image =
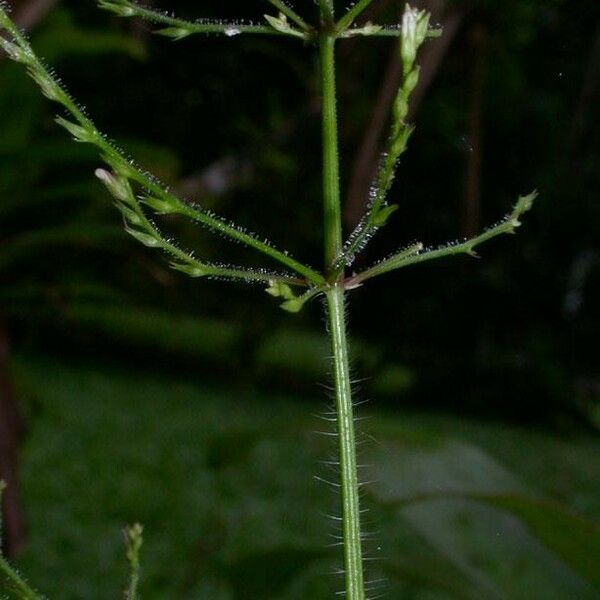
<point x="416" y="254"/>
<point x="292" y="303"/>
<point x="291" y="14"/>
<point x="133" y="541"/>
<point x="13" y="580"/>
<point x="147" y="233"/>
<point x="327" y="11"/>
<point x="180" y="28"/>
<point x="374" y="30"/>
<point x="331" y="176"/>
<point x="85" y="131"/>
<point x="415" y="25"/>
<point x="16" y="582"/>
<point x="350" y="501"/>
<point x="352" y="14"/>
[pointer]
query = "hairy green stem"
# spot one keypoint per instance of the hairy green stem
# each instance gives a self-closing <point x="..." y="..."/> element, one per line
<point x="291" y="14"/>
<point x="353" y="568"/>
<point x="327" y="11"/>
<point x="416" y="254"/>
<point x="180" y="28"/>
<point x="349" y="487"/>
<point x="16" y="582"/>
<point x="331" y="175"/>
<point x="353" y="13"/>
<point x="85" y="131"/>
<point x="134" y="541"/>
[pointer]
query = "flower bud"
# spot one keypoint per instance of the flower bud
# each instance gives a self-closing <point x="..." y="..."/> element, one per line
<point x="15" y="52"/>
<point x="191" y="270"/>
<point x="117" y="186"/>
<point x="415" y="24"/>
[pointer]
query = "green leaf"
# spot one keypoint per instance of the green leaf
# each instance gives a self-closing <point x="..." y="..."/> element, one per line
<point x="292" y="306"/>
<point x="175" y="33"/>
<point x="495" y="549"/>
<point x="455" y="495"/>
<point x="281" y="25"/>
<point x="278" y="289"/>
<point x="572" y="537"/>
<point x="523" y="205"/>
<point x="119" y="7"/>
<point x="129" y="214"/>
<point x="79" y="133"/>
<point x="116" y="185"/>
<point x="145" y="238"/>
<point x="381" y="218"/>
<point x="160" y="206"/>
<point x="191" y="270"/>
<point x="405" y="472"/>
<point x="366" y="30"/>
<point x="14" y="52"/>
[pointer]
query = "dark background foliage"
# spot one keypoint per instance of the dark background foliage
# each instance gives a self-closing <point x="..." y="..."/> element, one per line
<point x="234" y="122"/>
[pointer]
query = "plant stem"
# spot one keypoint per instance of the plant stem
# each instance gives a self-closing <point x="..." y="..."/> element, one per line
<point x="133" y="9"/>
<point x="353" y="13"/>
<point x="291" y="14"/>
<point x="84" y="130"/>
<point x="15" y="581"/>
<point x="415" y="254"/>
<point x="331" y="176"/>
<point x="353" y="568"/>
<point x="326" y="11"/>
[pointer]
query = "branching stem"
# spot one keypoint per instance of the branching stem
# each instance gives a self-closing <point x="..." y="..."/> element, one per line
<point x="353" y="567"/>
<point x="416" y="254"/>
<point x="85" y="131"/>
<point x="180" y="28"/>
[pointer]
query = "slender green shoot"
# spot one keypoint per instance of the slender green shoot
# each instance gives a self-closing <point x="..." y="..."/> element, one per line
<point x="15" y="583"/>
<point x="415" y="28"/>
<point x="417" y="253"/>
<point x="291" y="14"/>
<point x="180" y="28"/>
<point x="84" y="130"/>
<point x="133" y="540"/>
<point x="353" y="14"/>
<point x="373" y="30"/>
<point x="387" y="31"/>
<point x="336" y="318"/>
<point x="327" y="11"/>
<point x="8" y="576"/>
<point x="145" y="231"/>
<point x="331" y="176"/>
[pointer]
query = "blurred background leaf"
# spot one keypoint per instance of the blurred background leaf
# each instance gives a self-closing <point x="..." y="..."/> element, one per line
<point x="223" y="482"/>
